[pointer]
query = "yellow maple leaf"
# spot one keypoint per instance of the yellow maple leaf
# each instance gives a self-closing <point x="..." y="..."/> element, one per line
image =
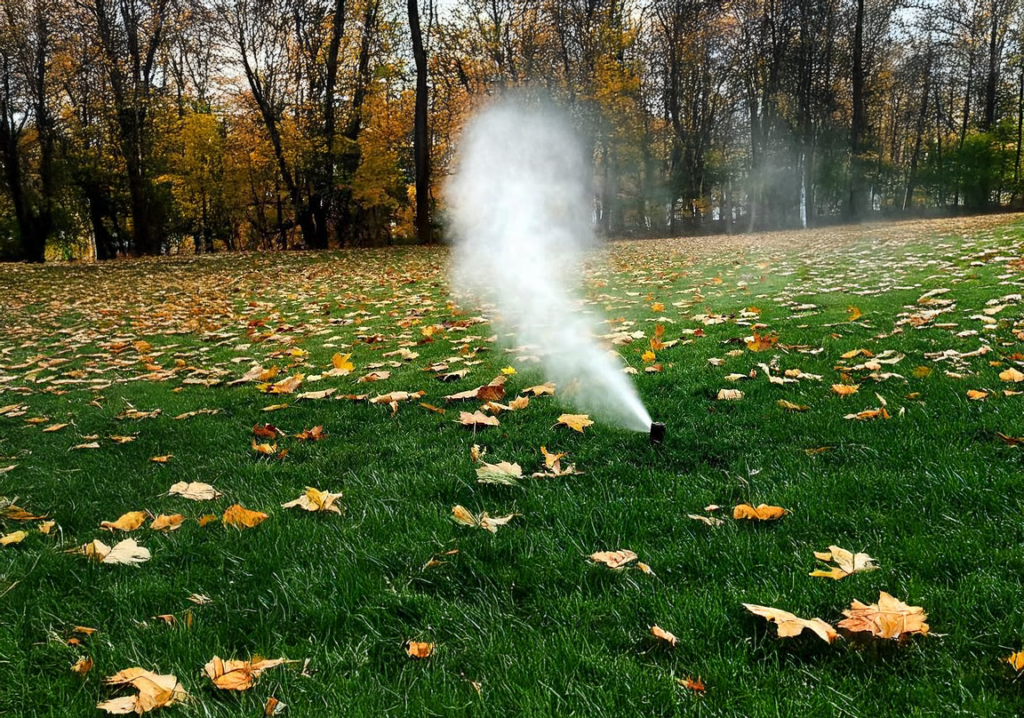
<point x="889" y="618"/>
<point x="763" y="512"/>
<point x="240" y="517"/>
<point x="847" y="563"/>
<point x="315" y="500"/>
<point x="576" y="422"/>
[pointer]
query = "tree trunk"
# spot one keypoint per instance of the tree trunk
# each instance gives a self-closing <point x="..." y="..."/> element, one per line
<point x="421" y="146"/>
<point x="858" y="128"/>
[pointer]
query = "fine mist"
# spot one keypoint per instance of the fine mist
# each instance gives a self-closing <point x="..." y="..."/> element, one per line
<point x="521" y="220"/>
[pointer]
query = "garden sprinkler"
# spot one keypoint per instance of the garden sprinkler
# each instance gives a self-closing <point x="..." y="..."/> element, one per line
<point x="657" y="432"/>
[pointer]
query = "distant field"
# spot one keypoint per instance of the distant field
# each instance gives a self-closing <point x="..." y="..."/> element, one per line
<point x="920" y="467"/>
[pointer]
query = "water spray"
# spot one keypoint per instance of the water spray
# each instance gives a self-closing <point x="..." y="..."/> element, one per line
<point x="521" y="217"/>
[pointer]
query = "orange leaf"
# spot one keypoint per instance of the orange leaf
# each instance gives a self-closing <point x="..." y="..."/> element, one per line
<point x="693" y="685"/>
<point x="659" y="632"/>
<point x="243" y="518"/>
<point x="477" y="420"/>
<point x="418" y="649"/>
<point x="128" y="522"/>
<point x="889" y="618"/>
<point x="614" y="559"/>
<point x="845" y="389"/>
<point x="762" y="513"/>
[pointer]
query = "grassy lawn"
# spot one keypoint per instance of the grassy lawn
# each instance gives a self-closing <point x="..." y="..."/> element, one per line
<point x="521" y="621"/>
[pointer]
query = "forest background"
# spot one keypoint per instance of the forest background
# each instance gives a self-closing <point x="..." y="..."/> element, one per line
<point x="145" y="127"/>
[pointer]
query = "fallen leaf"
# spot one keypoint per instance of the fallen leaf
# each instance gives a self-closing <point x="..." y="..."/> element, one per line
<point x="790" y="625"/>
<point x="614" y="559"/>
<point x="419" y="649"/>
<point x="845" y="389"/>
<point x="889" y="618"/>
<point x="975" y="395"/>
<point x="762" y="343"/>
<point x="273" y="707"/>
<point x="341" y="364"/>
<point x="243" y="518"/>
<point x="493" y="391"/>
<point x="762" y="513"/>
<point x="576" y="422"/>
<point x="237" y="675"/>
<point x="90" y="445"/>
<point x="868" y="414"/>
<point x="693" y="685"/>
<point x="13" y="538"/>
<point x="53" y="427"/>
<point x="161" y="459"/>
<point x="709" y="520"/>
<point x="314" y="434"/>
<point x="847" y="563"/>
<point x="128" y="522"/>
<point x="153" y="691"/>
<point x="462" y="516"/>
<point x="1012" y="374"/>
<point x="477" y="420"/>
<point x="853" y="314"/>
<point x="659" y="632"/>
<point x="125" y="552"/>
<point x="729" y="395"/>
<point x="790" y="406"/>
<point x="83" y="665"/>
<point x="1016" y="660"/>
<point x="196" y="491"/>
<point x="163" y="522"/>
<point x="315" y="500"/>
<point x="541" y="389"/>
<point x="501" y="473"/>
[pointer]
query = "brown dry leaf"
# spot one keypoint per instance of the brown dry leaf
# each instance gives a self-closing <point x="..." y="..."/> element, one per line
<point x="477" y="420"/>
<point x="1010" y="440"/>
<point x="53" y="427"/>
<point x="46" y="526"/>
<point x="128" y="522"/>
<point x="541" y="389"/>
<point x="165" y="522"/>
<point x="790" y="406"/>
<point x="762" y="343"/>
<point x="790" y="625"/>
<point x="576" y="422"/>
<point x="847" y="563"/>
<point x="493" y="391"/>
<point x="314" y="434"/>
<point x="419" y="649"/>
<point x="374" y="376"/>
<point x="16" y="513"/>
<point x="614" y="559"/>
<point x="315" y="500"/>
<point x="518" y="403"/>
<point x="763" y="512"/>
<point x="501" y="473"/>
<point x="659" y="632"/>
<point x="207" y="519"/>
<point x="161" y="459"/>
<point x="273" y="707"/>
<point x="285" y="386"/>
<point x="1016" y="660"/>
<point x="694" y="685"/>
<point x="729" y="395"/>
<point x="240" y="517"/>
<point x="236" y="675"/>
<point x="122" y="439"/>
<point x="463" y="516"/>
<point x="431" y="407"/>
<point x="975" y="395"/>
<point x="196" y="491"/>
<point x="1010" y="374"/>
<point x="13" y="538"/>
<point x="82" y="666"/>
<point x="154" y="691"/>
<point x="845" y="389"/>
<point x="889" y="618"/>
<point x="89" y="445"/>
<point x="315" y="395"/>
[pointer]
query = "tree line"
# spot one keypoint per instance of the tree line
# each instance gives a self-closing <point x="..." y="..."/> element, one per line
<point x="142" y="127"/>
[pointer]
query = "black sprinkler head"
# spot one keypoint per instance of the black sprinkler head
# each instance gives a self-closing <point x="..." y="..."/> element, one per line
<point x="657" y="432"/>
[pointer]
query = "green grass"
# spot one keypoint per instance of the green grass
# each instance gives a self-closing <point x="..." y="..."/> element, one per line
<point x="932" y="493"/>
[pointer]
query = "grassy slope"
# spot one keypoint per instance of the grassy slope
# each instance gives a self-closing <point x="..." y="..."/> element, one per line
<point x="932" y="494"/>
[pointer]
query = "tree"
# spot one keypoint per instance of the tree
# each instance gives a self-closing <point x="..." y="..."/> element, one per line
<point x="421" y="136"/>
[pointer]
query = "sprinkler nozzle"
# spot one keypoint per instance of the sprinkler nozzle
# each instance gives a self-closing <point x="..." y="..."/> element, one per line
<point x="657" y="432"/>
